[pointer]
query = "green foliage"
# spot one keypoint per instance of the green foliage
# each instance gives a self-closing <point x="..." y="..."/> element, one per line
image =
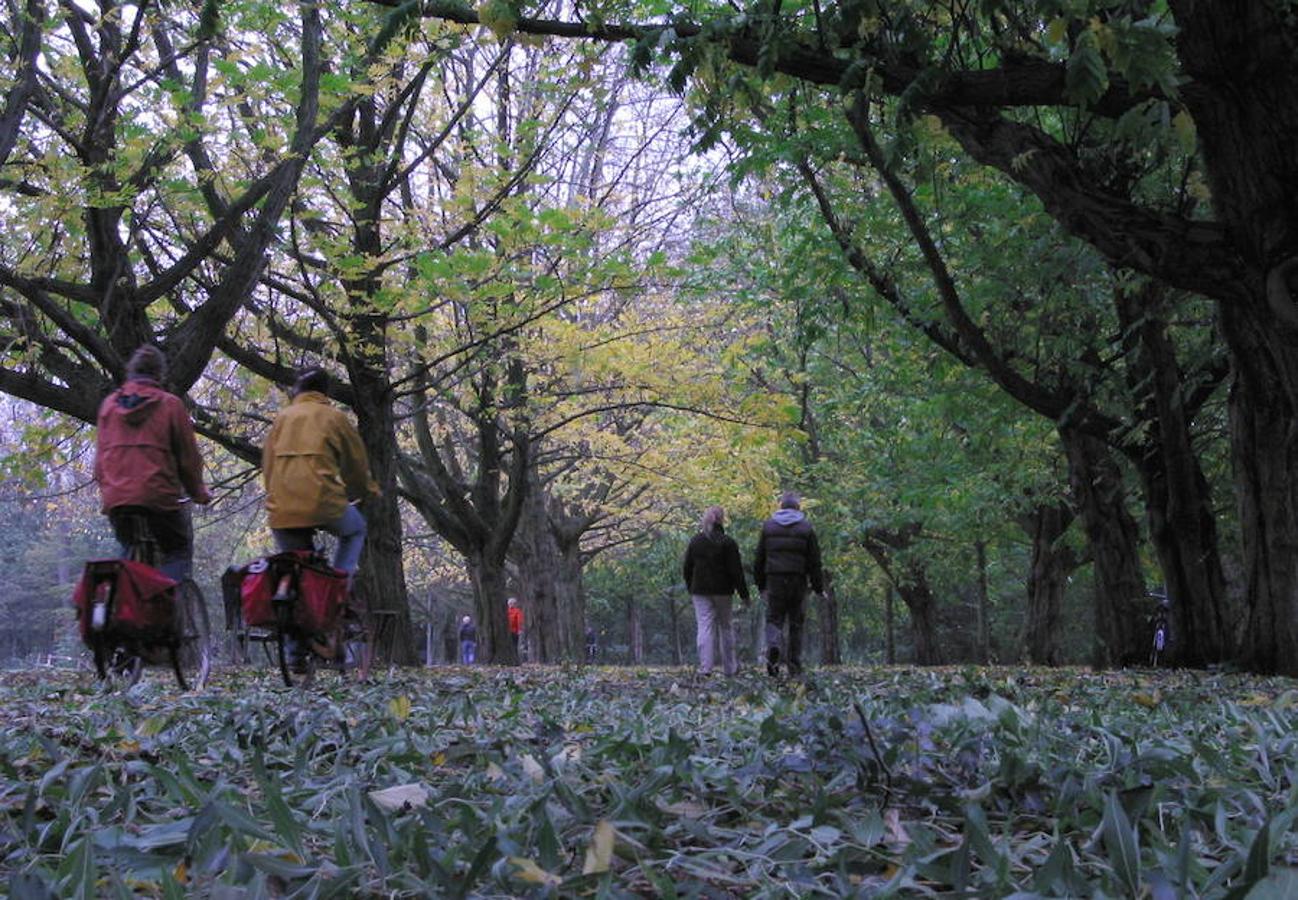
<point x="629" y="782"/>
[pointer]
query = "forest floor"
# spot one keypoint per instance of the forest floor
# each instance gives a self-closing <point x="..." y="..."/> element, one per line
<point x="652" y="782"/>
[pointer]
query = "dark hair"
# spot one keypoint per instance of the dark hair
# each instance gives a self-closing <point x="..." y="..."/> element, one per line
<point x="146" y="362"/>
<point x="311" y="378"/>
<point x="790" y="500"/>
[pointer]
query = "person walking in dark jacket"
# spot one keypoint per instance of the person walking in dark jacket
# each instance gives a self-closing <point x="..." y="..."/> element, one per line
<point x="713" y="573"/>
<point x="468" y="641"/>
<point x="788" y="556"/>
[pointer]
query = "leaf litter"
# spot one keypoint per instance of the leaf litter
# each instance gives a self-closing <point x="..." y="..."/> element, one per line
<point x="632" y="782"/>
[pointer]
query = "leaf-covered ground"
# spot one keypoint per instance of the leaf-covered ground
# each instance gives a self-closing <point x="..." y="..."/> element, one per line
<point x="608" y="782"/>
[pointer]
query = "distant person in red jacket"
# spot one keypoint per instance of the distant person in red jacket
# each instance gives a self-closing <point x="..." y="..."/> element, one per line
<point x="147" y="462"/>
<point x="515" y="622"/>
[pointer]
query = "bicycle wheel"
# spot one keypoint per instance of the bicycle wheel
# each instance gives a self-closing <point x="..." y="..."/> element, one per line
<point x="192" y="654"/>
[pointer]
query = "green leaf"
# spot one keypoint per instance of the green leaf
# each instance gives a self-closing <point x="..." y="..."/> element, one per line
<point x="1086" y="75"/>
<point x="1120" y="842"/>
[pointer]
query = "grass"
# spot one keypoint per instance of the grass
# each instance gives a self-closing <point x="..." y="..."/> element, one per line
<point x="650" y="782"/>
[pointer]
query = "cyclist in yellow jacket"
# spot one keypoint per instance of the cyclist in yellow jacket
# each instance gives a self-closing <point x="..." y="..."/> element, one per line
<point x="314" y="467"/>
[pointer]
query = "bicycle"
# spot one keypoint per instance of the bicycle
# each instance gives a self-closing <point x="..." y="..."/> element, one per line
<point x="303" y="608"/>
<point x="133" y="615"/>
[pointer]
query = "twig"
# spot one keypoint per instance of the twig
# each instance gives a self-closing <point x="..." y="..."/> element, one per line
<point x="874" y="748"/>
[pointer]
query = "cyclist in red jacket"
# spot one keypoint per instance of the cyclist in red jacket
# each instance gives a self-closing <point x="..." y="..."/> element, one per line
<point x="147" y="462"/>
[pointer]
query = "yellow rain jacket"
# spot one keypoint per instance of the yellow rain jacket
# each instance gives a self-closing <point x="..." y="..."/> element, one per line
<point x="313" y="464"/>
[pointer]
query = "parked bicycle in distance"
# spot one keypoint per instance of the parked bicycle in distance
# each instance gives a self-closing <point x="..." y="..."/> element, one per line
<point x="132" y="615"/>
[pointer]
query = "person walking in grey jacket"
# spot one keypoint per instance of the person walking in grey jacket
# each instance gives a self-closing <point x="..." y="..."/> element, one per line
<point x="713" y="573"/>
<point x="788" y="556"/>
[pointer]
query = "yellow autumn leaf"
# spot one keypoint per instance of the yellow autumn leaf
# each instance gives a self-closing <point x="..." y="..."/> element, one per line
<point x="399" y="707"/>
<point x="600" y="852"/>
<point x="529" y="871"/>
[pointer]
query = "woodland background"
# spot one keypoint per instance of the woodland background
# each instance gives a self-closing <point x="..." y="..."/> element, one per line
<point x="1005" y="289"/>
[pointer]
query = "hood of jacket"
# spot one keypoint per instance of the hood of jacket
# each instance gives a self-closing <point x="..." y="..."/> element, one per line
<point x="787" y="517"/>
<point x="138" y="399"/>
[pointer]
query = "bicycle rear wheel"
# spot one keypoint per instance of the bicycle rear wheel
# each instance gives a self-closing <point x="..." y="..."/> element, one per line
<point x="192" y="654"/>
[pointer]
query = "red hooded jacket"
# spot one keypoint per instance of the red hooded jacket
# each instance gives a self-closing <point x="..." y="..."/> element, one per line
<point x="146" y="453"/>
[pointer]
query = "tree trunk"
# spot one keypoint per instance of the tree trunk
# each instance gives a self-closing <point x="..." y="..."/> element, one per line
<point x="678" y="656"/>
<point x="1264" y="438"/>
<point x="1047" y="578"/>
<point x="489" y="585"/>
<point x="922" y="606"/>
<point x="1114" y="540"/>
<point x="984" y="604"/>
<point x="549" y="563"/>
<point x="570" y="600"/>
<point x="1182" y="523"/>
<point x="889" y="628"/>
<point x="635" y="635"/>
<point x="448" y="636"/>
<point x="381" y="580"/>
<point x="911" y="582"/>
<point x="829" y="644"/>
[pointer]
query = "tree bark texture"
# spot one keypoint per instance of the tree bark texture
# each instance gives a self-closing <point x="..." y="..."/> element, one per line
<point x="1178" y="504"/>
<point x="1052" y="562"/>
<point x="1115" y="549"/>
<point x="487" y="572"/>
<point x="547" y="555"/>
<point x="829" y="625"/>
<point x="382" y="578"/>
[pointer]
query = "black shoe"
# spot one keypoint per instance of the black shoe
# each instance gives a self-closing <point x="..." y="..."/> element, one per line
<point x="773" y="662"/>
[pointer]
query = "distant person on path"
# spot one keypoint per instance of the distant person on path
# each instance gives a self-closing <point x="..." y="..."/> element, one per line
<point x="788" y="556"/>
<point x="147" y="462"/>
<point x="314" y="465"/>
<point x="592" y="644"/>
<point x="468" y="641"/>
<point x="713" y="573"/>
<point x="515" y="623"/>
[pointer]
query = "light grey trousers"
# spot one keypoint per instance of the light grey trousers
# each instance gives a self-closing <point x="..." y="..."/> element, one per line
<point x="716" y="626"/>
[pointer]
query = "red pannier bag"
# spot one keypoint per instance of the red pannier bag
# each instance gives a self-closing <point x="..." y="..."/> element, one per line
<point x="141" y="600"/>
<point x="321" y="591"/>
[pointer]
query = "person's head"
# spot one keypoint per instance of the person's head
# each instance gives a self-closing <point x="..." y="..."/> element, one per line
<point x="790" y="500"/>
<point x="467" y="620"/>
<point x="512" y="601"/>
<point x="146" y="362"/>
<point x="712" y="517"/>
<point x="311" y="378"/>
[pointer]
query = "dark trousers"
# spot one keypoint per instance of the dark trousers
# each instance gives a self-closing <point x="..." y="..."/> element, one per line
<point x="171" y="530"/>
<point x="785" y="600"/>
